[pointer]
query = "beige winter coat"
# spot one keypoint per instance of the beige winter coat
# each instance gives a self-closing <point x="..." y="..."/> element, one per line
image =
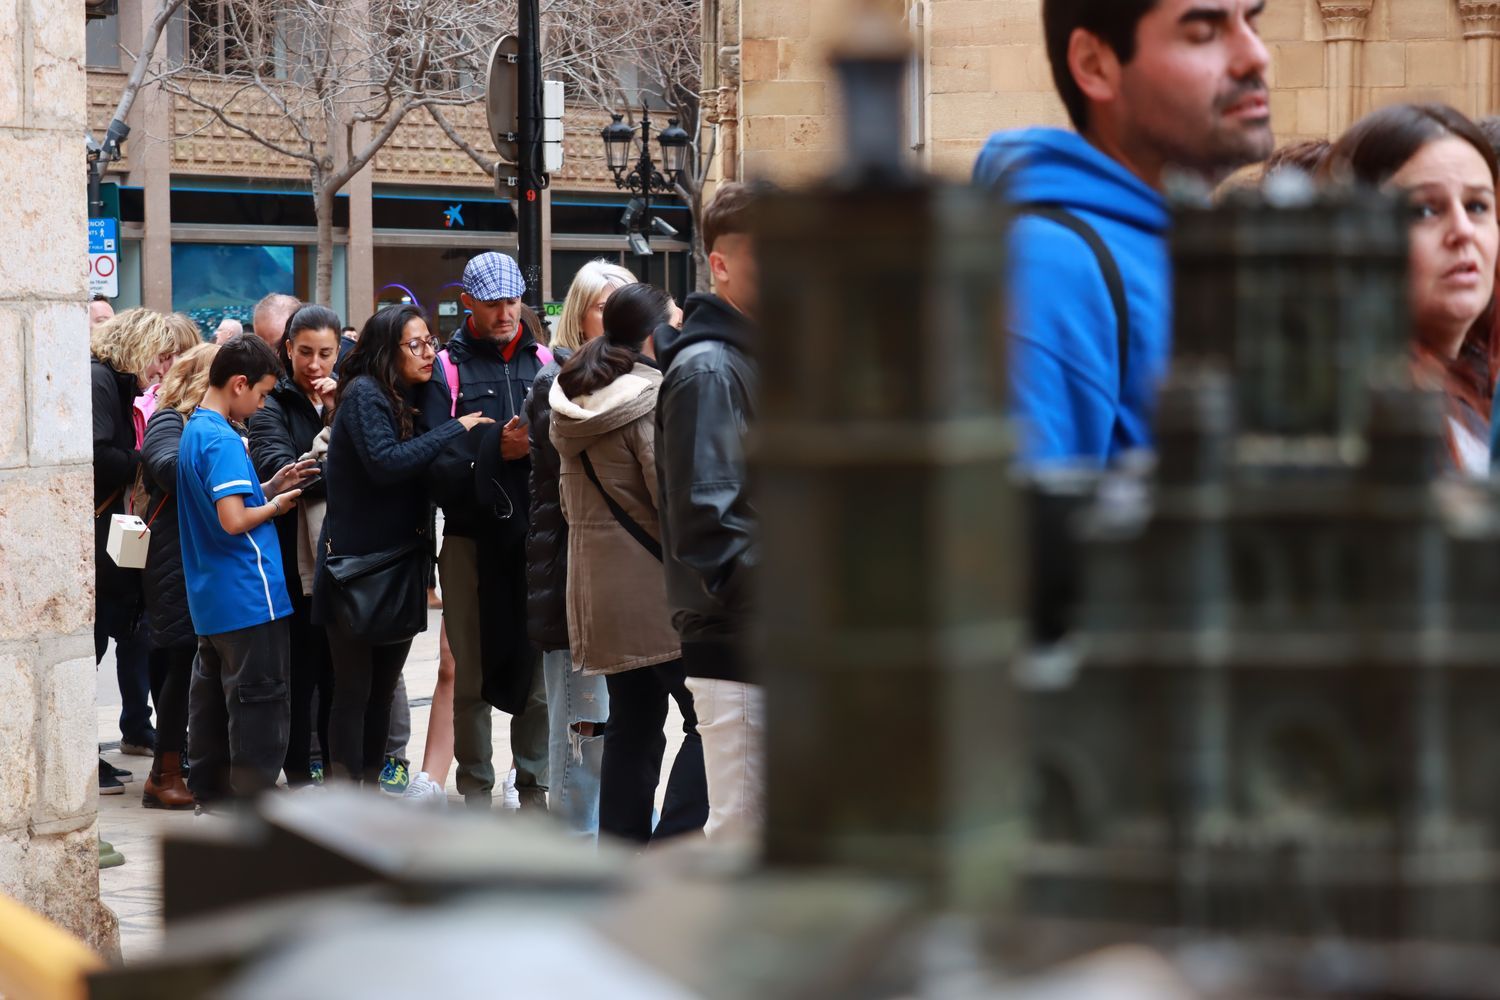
<point x="617" y="595"/>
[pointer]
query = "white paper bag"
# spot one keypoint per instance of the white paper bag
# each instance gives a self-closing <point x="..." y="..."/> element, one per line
<point x="128" y="541"/>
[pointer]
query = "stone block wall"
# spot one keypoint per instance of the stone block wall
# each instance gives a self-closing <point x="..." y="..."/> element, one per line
<point x="48" y="783"/>
<point x="984" y="67"/>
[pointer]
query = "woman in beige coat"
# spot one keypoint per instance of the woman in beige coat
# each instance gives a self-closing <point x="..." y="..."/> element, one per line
<point x="603" y="411"/>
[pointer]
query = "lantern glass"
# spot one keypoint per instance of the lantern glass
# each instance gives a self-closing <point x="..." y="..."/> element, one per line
<point x="617" y="139"/>
<point x="675" y="146"/>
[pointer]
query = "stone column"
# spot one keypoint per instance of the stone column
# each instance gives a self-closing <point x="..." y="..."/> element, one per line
<point x="150" y="157"/>
<point x="1344" y="31"/>
<point x="48" y="807"/>
<point x="1481" y="20"/>
<point x="728" y="104"/>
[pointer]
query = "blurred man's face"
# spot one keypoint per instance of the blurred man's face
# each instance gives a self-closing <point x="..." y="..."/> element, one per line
<point x="270" y="326"/>
<point x="100" y="312"/>
<point x="1194" y="96"/>
<point x="736" y="273"/>
<point x="498" y="319"/>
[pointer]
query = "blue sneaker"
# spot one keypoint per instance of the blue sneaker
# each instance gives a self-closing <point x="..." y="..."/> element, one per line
<point x="395" y="776"/>
<point x="315" y="771"/>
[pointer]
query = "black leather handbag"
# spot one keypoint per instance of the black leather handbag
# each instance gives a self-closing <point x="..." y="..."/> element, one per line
<point x="381" y="597"/>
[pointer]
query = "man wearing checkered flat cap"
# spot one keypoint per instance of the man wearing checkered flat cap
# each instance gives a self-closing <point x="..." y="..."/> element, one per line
<point x="481" y="482"/>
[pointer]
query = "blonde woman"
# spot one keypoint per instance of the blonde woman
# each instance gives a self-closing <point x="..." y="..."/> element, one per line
<point x="130" y="352"/>
<point x="185" y="337"/>
<point x="577" y="706"/>
<point x="173" y="640"/>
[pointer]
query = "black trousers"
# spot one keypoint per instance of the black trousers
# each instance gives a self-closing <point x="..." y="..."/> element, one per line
<point x="634" y="743"/>
<point x="312" y="671"/>
<point x="238" y="712"/>
<point x="364" y="682"/>
<point x="171" y="677"/>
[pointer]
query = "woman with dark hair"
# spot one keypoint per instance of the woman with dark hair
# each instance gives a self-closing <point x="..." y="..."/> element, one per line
<point x="377" y="500"/>
<point x="603" y="413"/>
<point x="1442" y="162"/>
<point x="284" y="431"/>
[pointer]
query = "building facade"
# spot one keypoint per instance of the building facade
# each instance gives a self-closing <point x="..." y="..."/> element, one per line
<point x="212" y="220"/>
<point x="49" y="853"/>
<point x="980" y="65"/>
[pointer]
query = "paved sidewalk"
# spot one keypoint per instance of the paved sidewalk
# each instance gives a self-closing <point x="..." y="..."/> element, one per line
<point x="133" y="890"/>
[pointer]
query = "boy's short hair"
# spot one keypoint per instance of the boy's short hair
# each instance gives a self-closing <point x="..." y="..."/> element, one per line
<point x="1112" y="21"/>
<point x="243" y="354"/>
<point x="730" y="211"/>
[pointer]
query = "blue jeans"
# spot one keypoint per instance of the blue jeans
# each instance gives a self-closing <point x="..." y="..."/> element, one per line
<point x="573" y="759"/>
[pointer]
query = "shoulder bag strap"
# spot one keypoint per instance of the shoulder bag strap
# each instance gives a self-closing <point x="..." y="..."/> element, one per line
<point x="634" y="530"/>
<point x="1107" y="265"/>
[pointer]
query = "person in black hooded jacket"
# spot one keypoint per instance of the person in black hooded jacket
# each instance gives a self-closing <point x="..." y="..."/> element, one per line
<point x="481" y="482"/>
<point x="130" y="352"/>
<point x="282" y="432"/>
<point x="708" y="520"/>
<point x="174" y="642"/>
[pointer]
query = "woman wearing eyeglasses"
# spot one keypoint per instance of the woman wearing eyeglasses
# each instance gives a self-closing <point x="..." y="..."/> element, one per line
<point x="377" y="500"/>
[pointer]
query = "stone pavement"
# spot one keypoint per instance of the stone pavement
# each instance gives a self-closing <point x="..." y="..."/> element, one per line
<point x="133" y="890"/>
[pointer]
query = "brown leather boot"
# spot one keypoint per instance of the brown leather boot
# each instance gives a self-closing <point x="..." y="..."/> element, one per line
<point x="165" y="788"/>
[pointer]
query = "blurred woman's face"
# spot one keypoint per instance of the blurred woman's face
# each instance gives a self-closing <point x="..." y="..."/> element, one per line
<point x="416" y="352"/>
<point x="313" y="354"/>
<point x="593" y="316"/>
<point x="157" y="370"/>
<point x="1454" y="238"/>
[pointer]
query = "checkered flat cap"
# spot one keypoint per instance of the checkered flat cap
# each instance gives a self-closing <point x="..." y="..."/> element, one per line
<point x="492" y="276"/>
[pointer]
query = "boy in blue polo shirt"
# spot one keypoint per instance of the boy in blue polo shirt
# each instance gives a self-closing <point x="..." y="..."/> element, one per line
<point x="238" y="709"/>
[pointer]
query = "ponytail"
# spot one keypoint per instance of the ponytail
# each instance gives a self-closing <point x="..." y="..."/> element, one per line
<point x="595" y="365"/>
<point x="632" y="313"/>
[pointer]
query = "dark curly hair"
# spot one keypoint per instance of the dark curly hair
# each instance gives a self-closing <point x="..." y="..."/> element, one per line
<point x="377" y="355"/>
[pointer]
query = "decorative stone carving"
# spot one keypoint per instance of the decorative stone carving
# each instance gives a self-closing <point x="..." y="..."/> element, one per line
<point x="1481" y="18"/>
<point x="1344" y="20"/>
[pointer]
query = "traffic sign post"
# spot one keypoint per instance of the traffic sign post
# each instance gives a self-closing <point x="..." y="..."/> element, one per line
<point x="104" y="258"/>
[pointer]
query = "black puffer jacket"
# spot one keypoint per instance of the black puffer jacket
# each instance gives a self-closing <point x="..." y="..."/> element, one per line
<point x="117" y="592"/>
<point x="467" y="477"/>
<point x="547" y="537"/>
<point x="708" y="522"/>
<point x="166" y="593"/>
<point x="281" y="432"/>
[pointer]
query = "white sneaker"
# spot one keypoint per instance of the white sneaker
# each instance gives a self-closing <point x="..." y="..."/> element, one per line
<point x="512" y="798"/>
<point x="424" y="791"/>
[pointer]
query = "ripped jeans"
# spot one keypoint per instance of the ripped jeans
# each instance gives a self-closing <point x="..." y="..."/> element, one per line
<point x="574" y="759"/>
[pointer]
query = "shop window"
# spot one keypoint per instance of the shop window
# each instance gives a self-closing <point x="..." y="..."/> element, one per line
<point x="213" y="280"/>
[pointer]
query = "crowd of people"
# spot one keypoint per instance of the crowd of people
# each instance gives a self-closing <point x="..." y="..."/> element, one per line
<point x="598" y="536"/>
<point x="595" y="544"/>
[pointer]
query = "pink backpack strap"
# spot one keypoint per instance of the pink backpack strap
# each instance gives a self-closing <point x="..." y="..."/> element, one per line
<point x="450" y="375"/>
<point x="543" y="355"/>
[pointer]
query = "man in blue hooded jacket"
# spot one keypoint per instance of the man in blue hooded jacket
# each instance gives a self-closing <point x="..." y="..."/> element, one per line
<point x="1152" y="87"/>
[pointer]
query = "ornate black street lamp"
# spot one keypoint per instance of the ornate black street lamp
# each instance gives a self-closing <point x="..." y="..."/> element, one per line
<point x="645" y="178"/>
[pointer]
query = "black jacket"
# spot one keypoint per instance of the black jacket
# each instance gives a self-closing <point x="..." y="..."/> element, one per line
<point x="166" y="591"/>
<point x="547" y="536"/>
<point x="117" y="592"/>
<point x="377" y="493"/>
<point x="708" y="523"/>
<point x="469" y="477"/>
<point x="282" y="432"/>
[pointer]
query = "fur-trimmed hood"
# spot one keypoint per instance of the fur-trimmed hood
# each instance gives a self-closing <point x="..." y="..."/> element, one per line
<point x="578" y="423"/>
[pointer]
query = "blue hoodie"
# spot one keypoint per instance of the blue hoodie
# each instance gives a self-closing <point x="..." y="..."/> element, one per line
<point x="1064" y="360"/>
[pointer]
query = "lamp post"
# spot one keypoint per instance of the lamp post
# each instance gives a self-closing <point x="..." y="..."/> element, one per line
<point x="645" y="178"/>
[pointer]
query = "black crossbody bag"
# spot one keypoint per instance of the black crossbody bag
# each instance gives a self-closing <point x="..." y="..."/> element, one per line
<point x="634" y="530"/>
<point x="381" y="597"/>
